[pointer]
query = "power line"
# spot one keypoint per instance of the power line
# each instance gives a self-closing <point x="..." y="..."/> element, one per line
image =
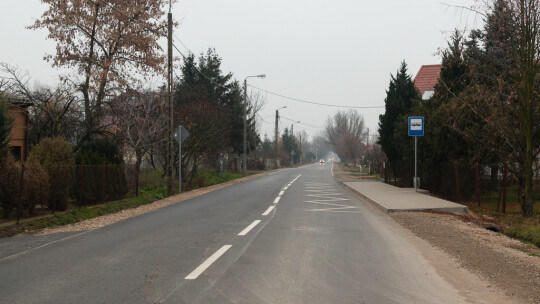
<point x="312" y="102"/>
<point x="263" y="119"/>
<point x="257" y="88"/>
<point x="301" y="123"/>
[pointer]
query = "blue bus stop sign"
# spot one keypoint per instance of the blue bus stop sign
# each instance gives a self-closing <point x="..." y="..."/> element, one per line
<point x="416" y="126"/>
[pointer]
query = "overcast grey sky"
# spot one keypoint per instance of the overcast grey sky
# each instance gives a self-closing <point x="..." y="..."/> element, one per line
<point x="336" y="52"/>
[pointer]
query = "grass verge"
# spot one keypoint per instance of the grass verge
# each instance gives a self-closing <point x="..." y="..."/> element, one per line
<point x="77" y="214"/>
<point x="510" y="223"/>
<point x="154" y="191"/>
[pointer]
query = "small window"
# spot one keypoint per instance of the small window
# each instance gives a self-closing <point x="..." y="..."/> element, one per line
<point x="16" y="152"/>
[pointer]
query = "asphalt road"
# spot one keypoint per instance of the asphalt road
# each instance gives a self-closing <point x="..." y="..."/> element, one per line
<point x="295" y="236"/>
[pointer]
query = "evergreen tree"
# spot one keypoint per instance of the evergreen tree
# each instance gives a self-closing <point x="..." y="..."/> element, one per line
<point x="290" y="143"/>
<point x="441" y="143"/>
<point x="400" y="97"/>
<point x="220" y="90"/>
<point x="454" y="77"/>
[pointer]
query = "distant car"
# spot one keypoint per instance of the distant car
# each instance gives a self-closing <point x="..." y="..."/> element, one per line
<point x="321" y="161"/>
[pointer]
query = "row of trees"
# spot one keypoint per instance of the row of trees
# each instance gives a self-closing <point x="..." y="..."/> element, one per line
<point x="485" y="108"/>
<point x="111" y="50"/>
<point x="111" y="106"/>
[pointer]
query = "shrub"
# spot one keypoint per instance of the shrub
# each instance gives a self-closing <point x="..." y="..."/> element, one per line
<point x="52" y="152"/>
<point x="36" y="186"/>
<point x="10" y="175"/>
<point x="103" y="151"/>
<point x="99" y="174"/>
<point x="56" y="155"/>
<point x="99" y="183"/>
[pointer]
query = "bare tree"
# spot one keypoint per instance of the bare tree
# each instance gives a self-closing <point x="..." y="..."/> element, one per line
<point x="110" y="43"/>
<point x="142" y="120"/>
<point x="54" y="111"/>
<point x="346" y="133"/>
<point x="257" y="102"/>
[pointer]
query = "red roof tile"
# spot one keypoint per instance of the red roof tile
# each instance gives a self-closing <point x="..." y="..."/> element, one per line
<point x="427" y="78"/>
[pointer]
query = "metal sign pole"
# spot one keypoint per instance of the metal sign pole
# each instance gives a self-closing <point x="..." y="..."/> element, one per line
<point x="416" y="128"/>
<point x="180" y="135"/>
<point x="415" y="163"/>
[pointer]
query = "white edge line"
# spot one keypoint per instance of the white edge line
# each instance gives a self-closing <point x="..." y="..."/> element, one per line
<point x="277" y="199"/>
<point x="248" y="228"/>
<point x="268" y="210"/>
<point x="15" y="255"/>
<point x="199" y="270"/>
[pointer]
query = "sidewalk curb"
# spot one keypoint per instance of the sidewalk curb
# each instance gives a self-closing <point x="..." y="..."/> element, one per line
<point x="457" y="210"/>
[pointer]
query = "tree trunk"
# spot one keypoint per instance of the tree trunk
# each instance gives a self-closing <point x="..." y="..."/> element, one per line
<point x="138" y="161"/>
<point x="528" y="199"/>
<point x="494" y="177"/>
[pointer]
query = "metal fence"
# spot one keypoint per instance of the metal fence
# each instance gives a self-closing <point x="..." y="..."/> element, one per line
<point x="25" y="187"/>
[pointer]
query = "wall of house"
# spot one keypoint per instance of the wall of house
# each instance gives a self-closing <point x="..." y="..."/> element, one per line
<point x="18" y="131"/>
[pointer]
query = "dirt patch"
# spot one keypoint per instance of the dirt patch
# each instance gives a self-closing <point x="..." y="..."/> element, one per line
<point x="508" y="264"/>
<point x="109" y="219"/>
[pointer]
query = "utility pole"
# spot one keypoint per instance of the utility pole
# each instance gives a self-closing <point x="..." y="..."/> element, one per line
<point x="170" y="190"/>
<point x="276" y="140"/>
<point x="300" y="156"/>
<point x="245" y="128"/>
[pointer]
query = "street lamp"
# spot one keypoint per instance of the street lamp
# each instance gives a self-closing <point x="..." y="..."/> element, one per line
<point x="245" y="120"/>
<point x="276" y="143"/>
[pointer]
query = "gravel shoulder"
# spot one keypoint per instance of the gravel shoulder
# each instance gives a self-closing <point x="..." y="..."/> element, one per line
<point x="509" y="265"/>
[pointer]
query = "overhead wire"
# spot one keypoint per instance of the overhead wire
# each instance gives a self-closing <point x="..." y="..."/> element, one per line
<point x="313" y="102"/>
<point x="301" y="123"/>
<point x="263" y="119"/>
<point x="257" y="88"/>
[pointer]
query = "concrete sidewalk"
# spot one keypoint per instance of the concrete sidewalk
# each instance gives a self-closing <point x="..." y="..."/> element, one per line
<point x="394" y="199"/>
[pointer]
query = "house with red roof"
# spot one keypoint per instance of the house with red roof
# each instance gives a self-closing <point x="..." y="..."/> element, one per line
<point x="426" y="79"/>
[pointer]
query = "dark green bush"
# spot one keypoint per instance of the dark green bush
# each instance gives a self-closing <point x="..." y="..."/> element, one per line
<point x="99" y="175"/>
<point x="99" y="183"/>
<point x="99" y="151"/>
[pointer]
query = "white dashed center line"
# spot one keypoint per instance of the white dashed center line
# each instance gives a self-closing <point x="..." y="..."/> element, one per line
<point x="248" y="228"/>
<point x="197" y="272"/>
<point x="268" y="210"/>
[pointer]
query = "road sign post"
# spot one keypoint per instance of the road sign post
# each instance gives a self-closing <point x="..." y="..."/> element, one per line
<point x="180" y="135"/>
<point x="416" y="128"/>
